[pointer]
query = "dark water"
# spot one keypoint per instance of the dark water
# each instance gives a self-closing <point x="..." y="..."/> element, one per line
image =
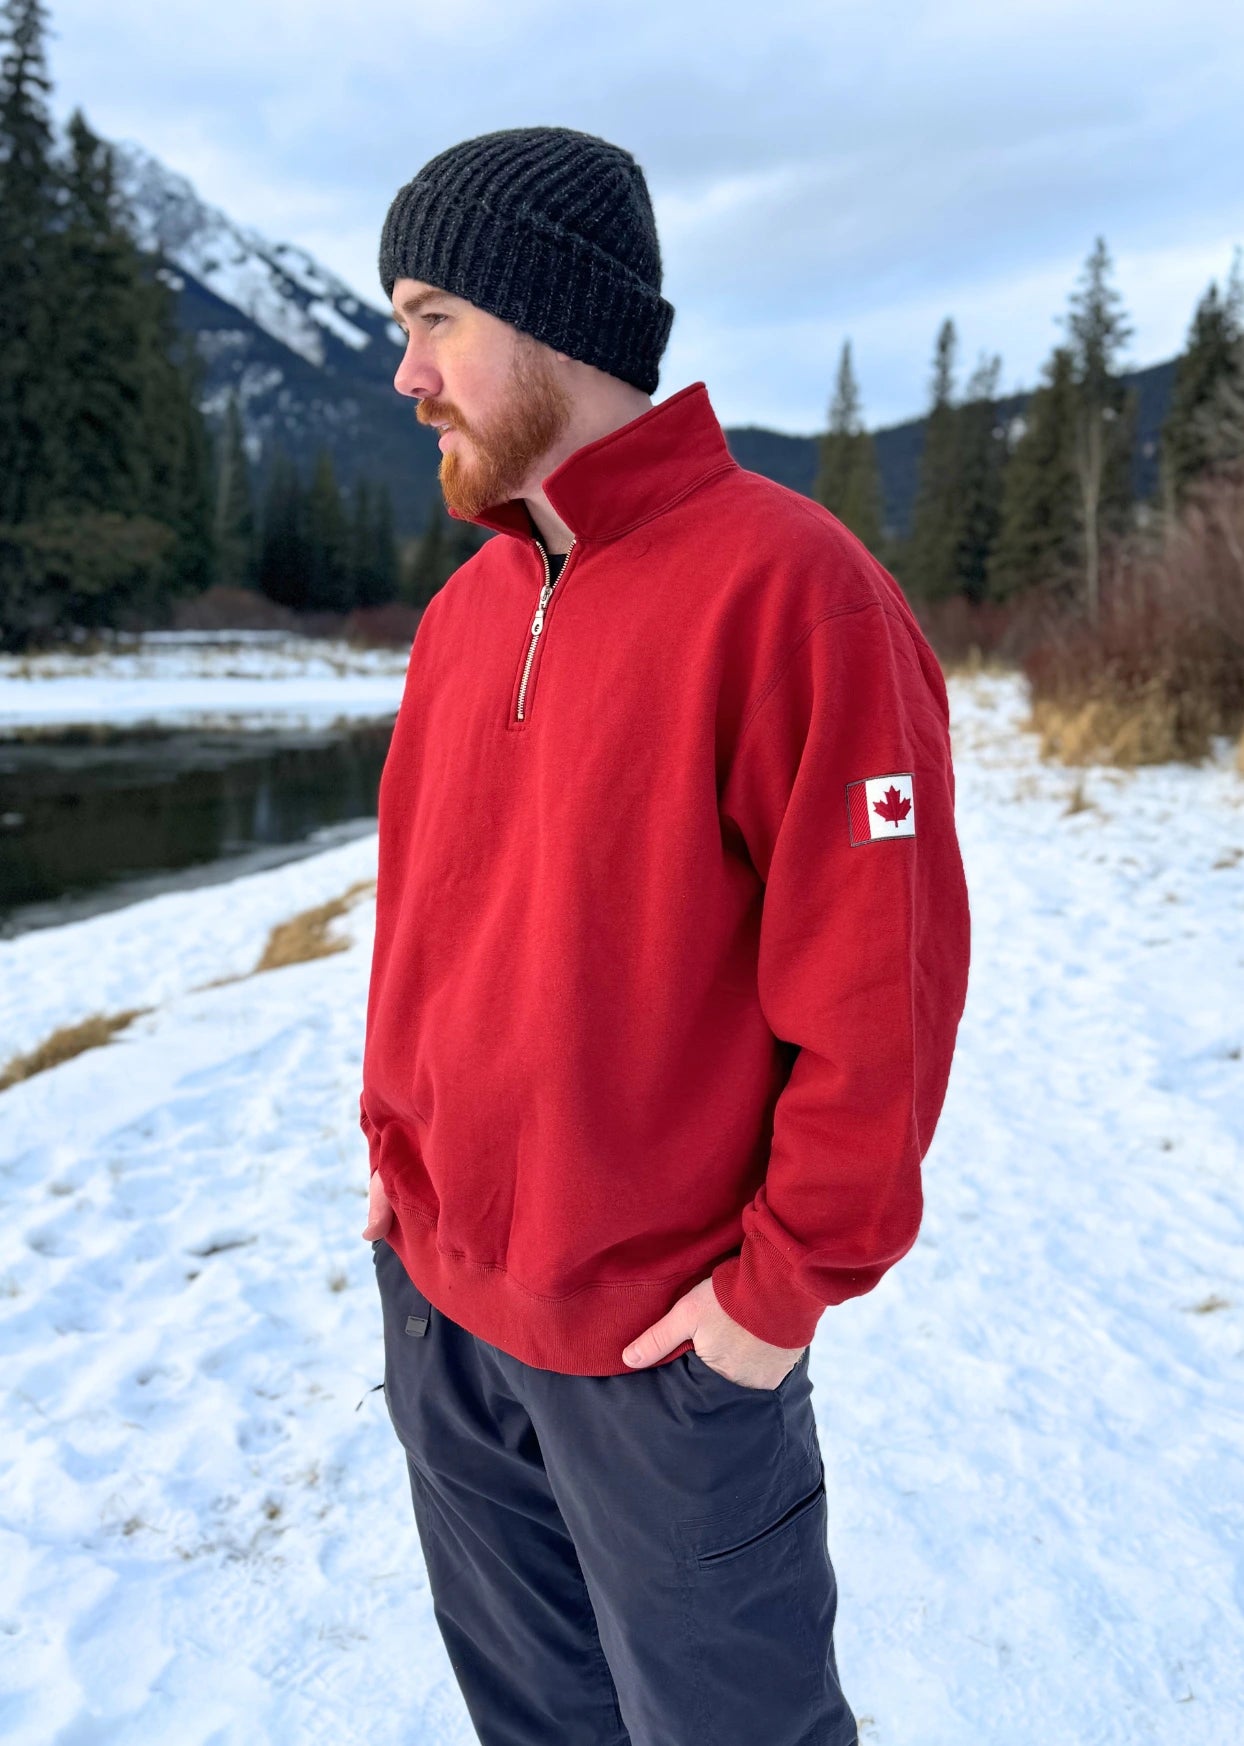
<point x="88" y="822"/>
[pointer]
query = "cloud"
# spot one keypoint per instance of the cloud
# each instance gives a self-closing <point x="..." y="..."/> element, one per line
<point x="819" y="170"/>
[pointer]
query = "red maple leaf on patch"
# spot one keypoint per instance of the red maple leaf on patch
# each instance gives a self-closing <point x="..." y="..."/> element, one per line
<point x="894" y="808"/>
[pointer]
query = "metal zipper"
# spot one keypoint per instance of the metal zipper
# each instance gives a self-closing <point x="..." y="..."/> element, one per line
<point x="537" y="623"/>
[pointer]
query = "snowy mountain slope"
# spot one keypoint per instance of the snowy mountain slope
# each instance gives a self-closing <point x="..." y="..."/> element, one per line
<point x="311" y="363"/>
<point x="279" y="287"/>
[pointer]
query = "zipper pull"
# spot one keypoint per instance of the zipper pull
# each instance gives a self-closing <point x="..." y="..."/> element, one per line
<point x="537" y="623"/>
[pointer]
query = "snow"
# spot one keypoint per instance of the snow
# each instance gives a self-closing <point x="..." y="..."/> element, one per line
<point x="239" y="681"/>
<point x="336" y="323"/>
<point x="1033" y="1429"/>
<point x="245" y="279"/>
<point x="310" y="276"/>
<point x="266" y="281"/>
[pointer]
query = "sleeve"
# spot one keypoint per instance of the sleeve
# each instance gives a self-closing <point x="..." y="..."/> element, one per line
<point x="863" y="959"/>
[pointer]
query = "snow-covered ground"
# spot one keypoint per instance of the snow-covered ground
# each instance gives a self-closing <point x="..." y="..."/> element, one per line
<point x="1033" y="1429"/>
<point x="249" y="681"/>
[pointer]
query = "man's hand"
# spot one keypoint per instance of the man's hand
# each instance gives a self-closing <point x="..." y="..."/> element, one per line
<point x="379" y="1211"/>
<point x="720" y="1342"/>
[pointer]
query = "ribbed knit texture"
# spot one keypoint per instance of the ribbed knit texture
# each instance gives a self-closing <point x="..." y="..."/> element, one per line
<point x="549" y="229"/>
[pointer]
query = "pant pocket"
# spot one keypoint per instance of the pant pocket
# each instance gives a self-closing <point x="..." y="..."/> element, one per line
<point x="757" y="1540"/>
<point x="407" y="1316"/>
<point x="410" y="1308"/>
<point x="759" y="1600"/>
<point x="695" y="1362"/>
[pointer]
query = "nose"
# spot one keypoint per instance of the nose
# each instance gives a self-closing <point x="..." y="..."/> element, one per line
<point x="415" y="374"/>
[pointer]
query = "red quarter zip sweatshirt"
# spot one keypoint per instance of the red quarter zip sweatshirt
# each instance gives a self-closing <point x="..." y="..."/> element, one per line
<point x="672" y="930"/>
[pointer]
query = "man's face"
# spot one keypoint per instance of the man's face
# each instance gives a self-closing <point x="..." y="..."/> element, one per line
<point x="496" y="388"/>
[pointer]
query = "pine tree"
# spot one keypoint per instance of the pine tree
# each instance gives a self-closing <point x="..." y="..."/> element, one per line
<point x="103" y="482"/>
<point x="284" y="554"/>
<point x="847" y="481"/>
<point x="359" y="543"/>
<point x="1098" y="332"/>
<point x="133" y="437"/>
<point x="1209" y="374"/>
<point x="372" y="562"/>
<point x="1038" y="542"/>
<point x="463" y="540"/>
<point x="179" y="458"/>
<point x="930" y="562"/>
<point x="102" y="442"/>
<point x="102" y="344"/>
<point x="234" y="518"/>
<point x="981" y="453"/>
<point x="383" y="568"/>
<point x="29" y="321"/>
<point x="328" y="579"/>
<point x="432" y="563"/>
<point x="1222" y="418"/>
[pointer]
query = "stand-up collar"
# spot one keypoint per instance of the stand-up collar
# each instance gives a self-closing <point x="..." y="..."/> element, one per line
<point x="611" y="485"/>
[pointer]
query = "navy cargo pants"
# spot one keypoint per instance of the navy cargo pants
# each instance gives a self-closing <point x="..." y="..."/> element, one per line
<point x="630" y="1560"/>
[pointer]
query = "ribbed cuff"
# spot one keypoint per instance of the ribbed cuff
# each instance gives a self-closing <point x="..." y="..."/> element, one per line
<point x="756" y="1290"/>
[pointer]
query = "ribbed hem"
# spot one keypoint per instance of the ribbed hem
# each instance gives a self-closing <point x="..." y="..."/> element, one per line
<point x="373" y="1138"/>
<point x="583" y="1335"/>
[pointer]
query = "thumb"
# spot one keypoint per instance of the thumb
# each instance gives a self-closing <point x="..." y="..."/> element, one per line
<point x="379" y="1211"/>
<point x="659" y="1339"/>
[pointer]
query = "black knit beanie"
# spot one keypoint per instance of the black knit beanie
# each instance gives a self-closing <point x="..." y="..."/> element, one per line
<point x="549" y="229"/>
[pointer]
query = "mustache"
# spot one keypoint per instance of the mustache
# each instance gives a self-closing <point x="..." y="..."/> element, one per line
<point x="440" y="411"/>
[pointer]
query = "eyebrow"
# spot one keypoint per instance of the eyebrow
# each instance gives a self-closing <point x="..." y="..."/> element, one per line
<point x="416" y="301"/>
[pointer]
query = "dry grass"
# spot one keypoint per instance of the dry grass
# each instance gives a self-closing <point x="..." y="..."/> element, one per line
<point x="302" y="937"/>
<point x="975" y="661"/>
<point x="1147" y="725"/>
<point x="307" y="935"/>
<point x="1158" y="676"/>
<point x="66" y="1042"/>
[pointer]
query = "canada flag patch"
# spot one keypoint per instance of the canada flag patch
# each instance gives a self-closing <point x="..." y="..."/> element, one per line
<point x="881" y="806"/>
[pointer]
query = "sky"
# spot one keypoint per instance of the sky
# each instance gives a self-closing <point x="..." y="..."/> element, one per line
<point x="820" y="172"/>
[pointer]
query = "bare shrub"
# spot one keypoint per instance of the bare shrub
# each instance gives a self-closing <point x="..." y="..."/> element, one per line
<point x="968" y="635"/>
<point x="221" y="608"/>
<point x="382" y="627"/>
<point x="1161" y="672"/>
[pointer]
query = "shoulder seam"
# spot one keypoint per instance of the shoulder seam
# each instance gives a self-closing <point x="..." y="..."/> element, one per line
<point x="788" y="657"/>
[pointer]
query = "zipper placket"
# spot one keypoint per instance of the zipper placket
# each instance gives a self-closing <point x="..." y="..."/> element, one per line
<point x="537" y="623"/>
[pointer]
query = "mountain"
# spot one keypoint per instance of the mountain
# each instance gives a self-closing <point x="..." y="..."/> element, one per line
<point x="313" y="364"/>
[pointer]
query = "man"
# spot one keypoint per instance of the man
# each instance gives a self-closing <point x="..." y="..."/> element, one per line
<point x="671" y="950"/>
